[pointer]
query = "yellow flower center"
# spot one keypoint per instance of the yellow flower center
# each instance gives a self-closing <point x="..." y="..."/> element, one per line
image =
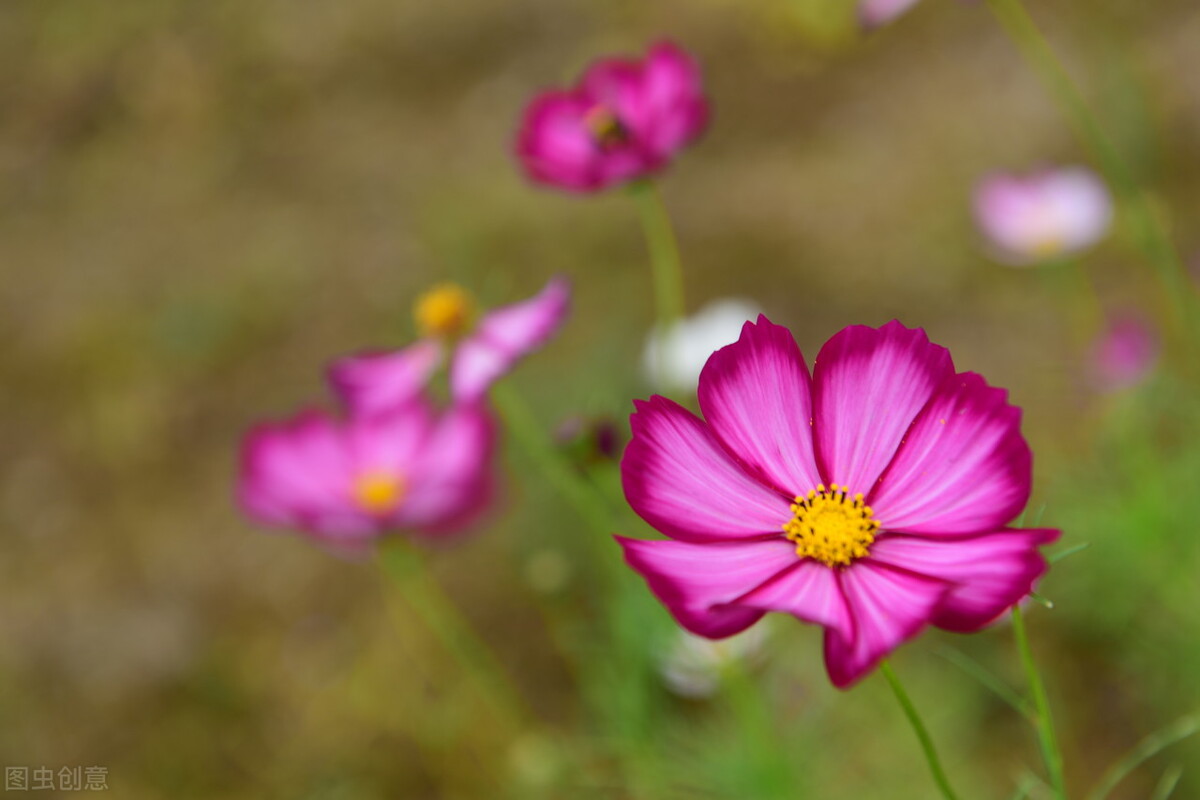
<point x="831" y="526"/>
<point x="379" y="492"/>
<point x="1047" y="246"/>
<point x="606" y="128"/>
<point x="444" y="311"/>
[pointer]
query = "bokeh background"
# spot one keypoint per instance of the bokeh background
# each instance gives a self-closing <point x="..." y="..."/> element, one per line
<point x="201" y="203"/>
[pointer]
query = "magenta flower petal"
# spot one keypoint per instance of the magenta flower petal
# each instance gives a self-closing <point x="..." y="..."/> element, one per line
<point x="890" y="606"/>
<point x="990" y="572"/>
<point x="873" y="13"/>
<point x="504" y="336"/>
<point x="345" y="482"/>
<point x="868" y="386"/>
<point x="679" y="479"/>
<point x="624" y="121"/>
<point x="698" y="582"/>
<point x="963" y="467"/>
<point x="454" y="484"/>
<point x="807" y="590"/>
<point x="373" y="383"/>
<point x="755" y="396"/>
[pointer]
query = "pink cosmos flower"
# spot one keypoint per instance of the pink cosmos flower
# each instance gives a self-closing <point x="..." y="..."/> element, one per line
<point x="347" y="481"/>
<point x="871" y="498"/>
<point x="1044" y="215"/>
<point x="873" y="13"/>
<point x="624" y="120"/>
<point x="370" y="383"/>
<point x="1125" y="354"/>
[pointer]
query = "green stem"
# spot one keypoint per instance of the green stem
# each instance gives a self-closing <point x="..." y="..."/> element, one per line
<point x="914" y="719"/>
<point x="405" y="567"/>
<point x="1149" y="230"/>
<point x="528" y="431"/>
<point x="1047" y="740"/>
<point x="665" y="263"/>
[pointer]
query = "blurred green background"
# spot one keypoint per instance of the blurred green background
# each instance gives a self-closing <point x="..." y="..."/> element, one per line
<point x="201" y="203"/>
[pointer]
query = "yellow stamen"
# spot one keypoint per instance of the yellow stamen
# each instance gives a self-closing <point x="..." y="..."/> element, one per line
<point x="606" y="128"/>
<point x="444" y="311"/>
<point x="379" y="492"/>
<point x="831" y="526"/>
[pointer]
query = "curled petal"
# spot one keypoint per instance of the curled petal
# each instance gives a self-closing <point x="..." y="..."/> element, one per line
<point x="755" y="395"/>
<point x="679" y="479"/>
<point x="374" y="383"/>
<point x="554" y="144"/>
<point x="504" y="336"/>
<point x="889" y="607"/>
<point x="990" y="572"/>
<point x="868" y="386"/>
<point x="698" y="582"/>
<point x="963" y="466"/>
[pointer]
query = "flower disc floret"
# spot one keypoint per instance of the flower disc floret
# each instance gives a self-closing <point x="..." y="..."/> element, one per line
<point x="445" y="311"/>
<point x="832" y="526"/>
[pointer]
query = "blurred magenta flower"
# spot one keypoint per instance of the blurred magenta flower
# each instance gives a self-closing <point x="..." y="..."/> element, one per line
<point x="1044" y="215"/>
<point x="347" y="481"/>
<point x="1124" y="354"/>
<point x="871" y="498"/>
<point x="873" y="13"/>
<point x="374" y="382"/>
<point x="624" y="120"/>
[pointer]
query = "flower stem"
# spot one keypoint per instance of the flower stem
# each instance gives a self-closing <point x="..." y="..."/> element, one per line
<point x="1148" y="226"/>
<point x="1045" y="723"/>
<point x="665" y="263"/>
<point x="405" y="567"/>
<point x="914" y="719"/>
<point x="575" y="488"/>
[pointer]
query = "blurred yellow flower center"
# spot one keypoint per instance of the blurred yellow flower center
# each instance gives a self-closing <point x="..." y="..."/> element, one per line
<point x="1047" y="246"/>
<point x="444" y="311"/>
<point x="379" y="492"/>
<point x="831" y="526"/>
<point x="605" y="127"/>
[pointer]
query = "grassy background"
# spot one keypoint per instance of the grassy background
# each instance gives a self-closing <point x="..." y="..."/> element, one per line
<point x="202" y="203"/>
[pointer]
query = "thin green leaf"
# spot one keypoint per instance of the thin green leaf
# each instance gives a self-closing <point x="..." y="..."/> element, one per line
<point x="1147" y="748"/>
<point x="1045" y="601"/>
<point x="1167" y="784"/>
<point x="986" y="679"/>
<point x="1054" y="558"/>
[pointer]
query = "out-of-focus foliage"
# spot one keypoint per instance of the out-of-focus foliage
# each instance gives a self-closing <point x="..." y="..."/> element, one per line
<point x="202" y="203"/>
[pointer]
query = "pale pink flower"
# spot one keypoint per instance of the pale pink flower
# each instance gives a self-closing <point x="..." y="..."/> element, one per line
<point x="871" y="498"/>
<point x="479" y="354"/>
<point x="1124" y="354"/>
<point x="873" y="13"/>
<point x="1046" y="215"/>
<point x="347" y="481"/>
<point x="624" y="120"/>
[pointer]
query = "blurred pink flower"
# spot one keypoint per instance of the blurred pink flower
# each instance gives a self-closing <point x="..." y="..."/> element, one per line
<point x="370" y="383"/>
<point x="1044" y="215"/>
<point x="347" y="481"/>
<point x="1125" y="354"/>
<point x="871" y="498"/>
<point x="873" y="13"/>
<point x="624" y="120"/>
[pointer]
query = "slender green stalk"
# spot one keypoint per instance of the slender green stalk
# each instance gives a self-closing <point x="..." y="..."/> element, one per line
<point x="1149" y="229"/>
<point x="581" y="493"/>
<point x="406" y="569"/>
<point x="1168" y="782"/>
<point x="665" y="263"/>
<point x="989" y="681"/>
<point x="1047" y="740"/>
<point x="914" y="719"/>
<point x="1152" y="744"/>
